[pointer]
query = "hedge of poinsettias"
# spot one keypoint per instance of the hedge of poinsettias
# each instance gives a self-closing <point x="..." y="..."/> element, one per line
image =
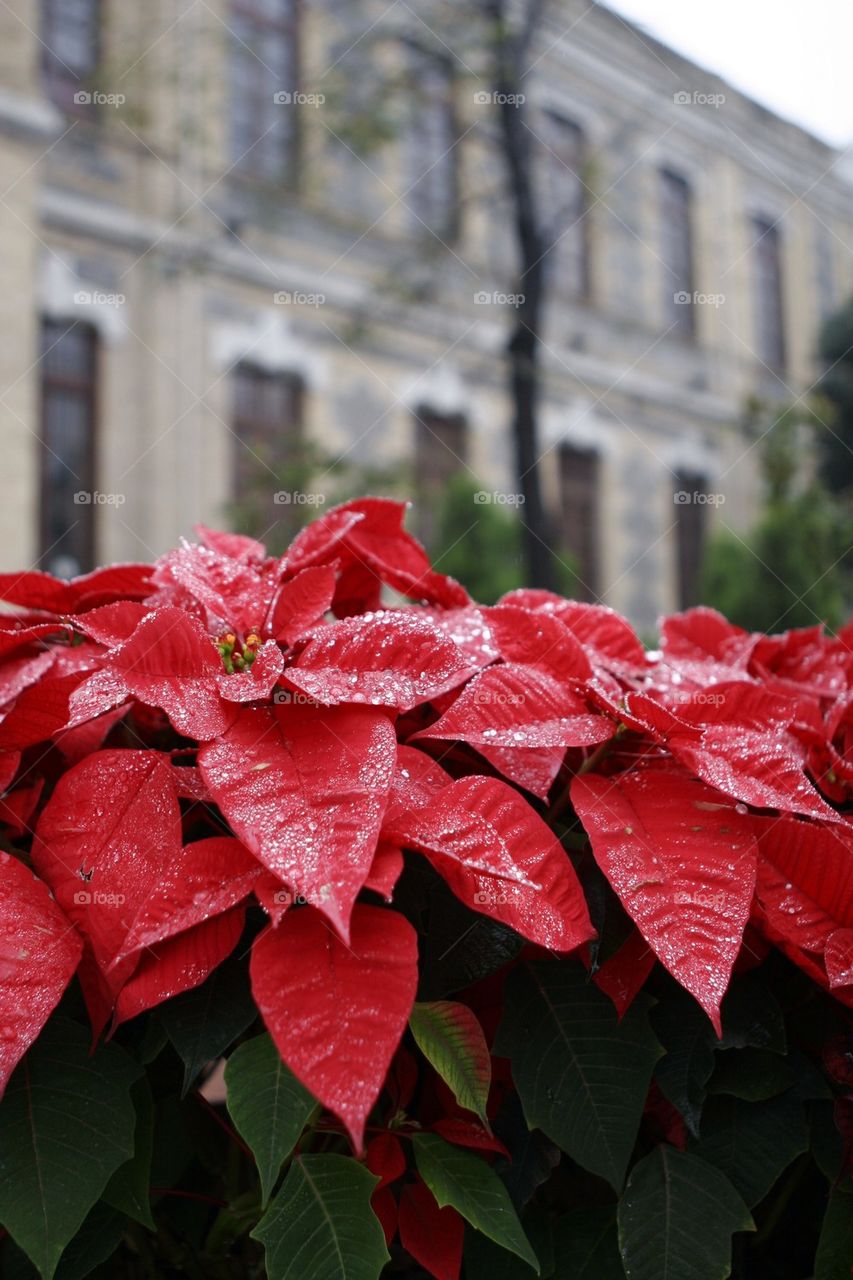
<point x="527" y="951"/>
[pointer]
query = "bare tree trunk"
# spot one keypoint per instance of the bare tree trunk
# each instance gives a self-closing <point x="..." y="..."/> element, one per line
<point x="523" y="350"/>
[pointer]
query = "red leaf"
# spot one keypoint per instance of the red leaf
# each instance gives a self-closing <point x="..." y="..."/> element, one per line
<point x="273" y="896"/>
<point x="385" y="870"/>
<point x="521" y="719"/>
<point x="498" y="856"/>
<point x="682" y="860"/>
<point x="179" y="964"/>
<point x="468" y="1133"/>
<point x="622" y="975"/>
<point x="229" y="594"/>
<point x="337" y="1013"/>
<point x="434" y="1237"/>
<point x="209" y="877"/>
<point x="112" y="624"/>
<point x="104" y="839"/>
<point x="805" y="893"/>
<point x="19" y="637"/>
<point x="700" y="634"/>
<point x="384" y="1157"/>
<point x="301" y="603"/>
<point x="9" y="762"/>
<point x="540" y="640"/>
<point x="18" y="806"/>
<point x="17" y="674"/>
<point x="39" y="953"/>
<point x="170" y="662"/>
<point x="37" y="590"/>
<point x="234" y="545"/>
<point x="305" y="788"/>
<point x="603" y="633"/>
<point x="256" y="683"/>
<point x="40" y="712"/>
<point x="384" y="1205"/>
<point x="388" y="659"/>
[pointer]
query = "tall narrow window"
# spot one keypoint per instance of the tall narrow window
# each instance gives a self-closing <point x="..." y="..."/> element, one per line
<point x="429" y="148"/>
<point x="264" y="86"/>
<point x="441" y="452"/>
<point x="69" y="48"/>
<point x="677" y="252"/>
<point x="579" y="515"/>
<point x="268" y="437"/>
<point x="567" y="257"/>
<point x="769" y="322"/>
<point x="690" y="490"/>
<point x="825" y="273"/>
<point x="68" y="371"/>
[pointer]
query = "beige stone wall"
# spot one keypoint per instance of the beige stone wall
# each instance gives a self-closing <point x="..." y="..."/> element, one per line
<point x="141" y="201"/>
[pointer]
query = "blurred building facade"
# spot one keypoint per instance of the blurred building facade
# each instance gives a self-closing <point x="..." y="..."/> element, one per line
<point x="232" y="227"/>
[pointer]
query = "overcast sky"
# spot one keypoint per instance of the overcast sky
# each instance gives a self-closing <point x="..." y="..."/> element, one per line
<point x="792" y="56"/>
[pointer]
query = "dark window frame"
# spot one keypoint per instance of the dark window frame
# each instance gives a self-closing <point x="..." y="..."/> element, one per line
<point x="581" y="290"/>
<point x="421" y="63"/>
<point x="437" y="461"/>
<point x="676" y="205"/>
<point x="60" y="78"/>
<point x="249" y="427"/>
<point x="769" y="294"/>
<point x="691" y="531"/>
<point x="580" y="514"/>
<point x="83" y="386"/>
<point x="246" y="157"/>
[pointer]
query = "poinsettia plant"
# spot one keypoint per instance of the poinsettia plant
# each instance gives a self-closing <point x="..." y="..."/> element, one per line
<point x="349" y="927"/>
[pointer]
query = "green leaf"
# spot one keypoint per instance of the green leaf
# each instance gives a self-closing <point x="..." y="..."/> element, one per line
<point x="676" y="1218"/>
<point x="583" y="1076"/>
<point x="97" y="1240"/>
<point x="321" y="1223"/>
<point x="66" y="1124"/>
<point x="752" y="1143"/>
<point x="268" y="1105"/>
<point x="586" y="1244"/>
<point x="204" y="1022"/>
<point x="450" y="1037"/>
<point x="683" y="1072"/>
<point x="752" y="1018"/>
<point x="835" y="1248"/>
<point x="751" y="1074"/>
<point x="457" y="1177"/>
<point x="127" y="1189"/>
<point x="485" y="1260"/>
